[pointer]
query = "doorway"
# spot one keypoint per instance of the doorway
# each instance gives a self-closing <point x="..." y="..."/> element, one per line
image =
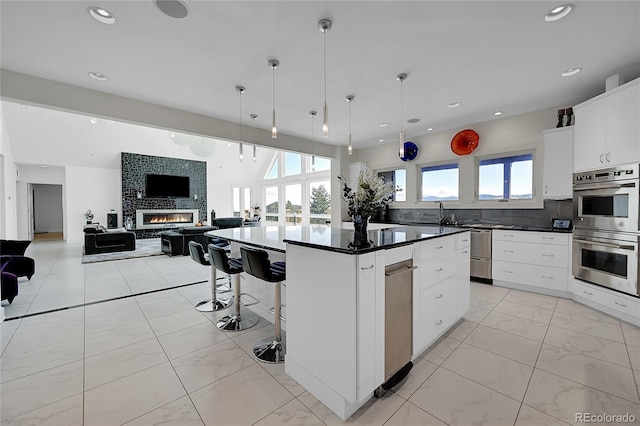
<point x="46" y="210"/>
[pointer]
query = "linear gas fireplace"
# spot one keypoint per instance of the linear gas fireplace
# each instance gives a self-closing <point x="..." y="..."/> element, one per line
<point x="154" y="219"/>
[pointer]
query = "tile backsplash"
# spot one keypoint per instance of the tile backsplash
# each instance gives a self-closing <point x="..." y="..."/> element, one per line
<point x="520" y="217"/>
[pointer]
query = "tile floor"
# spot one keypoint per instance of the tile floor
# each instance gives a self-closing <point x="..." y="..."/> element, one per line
<point x="516" y="359"/>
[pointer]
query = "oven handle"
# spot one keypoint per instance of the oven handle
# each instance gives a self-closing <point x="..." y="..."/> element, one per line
<point x="595" y="243"/>
<point x="578" y="188"/>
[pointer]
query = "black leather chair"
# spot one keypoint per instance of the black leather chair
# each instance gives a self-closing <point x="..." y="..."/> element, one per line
<point x="98" y="240"/>
<point x="8" y="281"/>
<point x="21" y="265"/>
<point x="256" y="262"/>
<point x="235" y="322"/>
<point x="213" y="304"/>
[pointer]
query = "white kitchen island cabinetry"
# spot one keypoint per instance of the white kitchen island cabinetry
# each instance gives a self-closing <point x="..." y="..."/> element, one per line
<point x="532" y="261"/>
<point x="607" y="129"/>
<point x="335" y="339"/>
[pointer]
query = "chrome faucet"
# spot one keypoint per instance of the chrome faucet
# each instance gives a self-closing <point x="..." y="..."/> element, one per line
<point x="441" y="213"/>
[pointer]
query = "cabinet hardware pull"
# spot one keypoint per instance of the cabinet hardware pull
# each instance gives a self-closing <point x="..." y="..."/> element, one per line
<point x="620" y="304"/>
<point x="508" y="251"/>
<point x="465" y="252"/>
<point x="547" y="255"/>
<point x="365" y="268"/>
<point x="439" y="296"/>
<point x="439" y="270"/>
<point x="545" y="189"/>
<point x="439" y="322"/>
<point x="601" y="157"/>
<point x="547" y="238"/>
<point x="544" y="276"/>
<point x="508" y="235"/>
<point x="597" y="243"/>
<point x="508" y="272"/>
<point x="608" y="157"/>
<point x="586" y="292"/>
<point x="400" y="271"/>
<point x="438" y="248"/>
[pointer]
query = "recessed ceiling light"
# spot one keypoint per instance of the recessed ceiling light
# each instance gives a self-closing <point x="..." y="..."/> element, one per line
<point x="172" y="8"/>
<point x="413" y="120"/>
<point x="559" y="12"/>
<point x="42" y="166"/>
<point x="101" y="15"/>
<point x="570" y="72"/>
<point x="454" y="105"/>
<point x="93" y="120"/>
<point x="429" y="129"/>
<point x="383" y="124"/>
<point x="98" y="76"/>
<point x="24" y="106"/>
<point x="228" y="143"/>
<point x="497" y="113"/>
<point x="380" y="140"/>
<point x="93" y="155"/>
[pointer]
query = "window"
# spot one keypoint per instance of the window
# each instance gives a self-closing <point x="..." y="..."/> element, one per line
<point x="273" y="171"/>
<point x="271" y="209"/>
<point x="241" y="202"/>
<point x="292" y="164"/>
<point x="319" y="202"/>
<point x="293" y="203"/>
<point x="399" y="179"/>
<point x="440" y="183"/>
<point x="322" y="164"/>
<point x="506" y="178"/>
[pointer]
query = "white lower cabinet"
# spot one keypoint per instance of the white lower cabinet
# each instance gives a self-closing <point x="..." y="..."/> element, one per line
<point x="615" y="304"/>
<point x="535" y="261"/>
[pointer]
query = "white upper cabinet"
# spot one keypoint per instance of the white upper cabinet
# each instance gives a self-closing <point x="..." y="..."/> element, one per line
<point x="558" y="157"/>
<point x="607" y="129"/>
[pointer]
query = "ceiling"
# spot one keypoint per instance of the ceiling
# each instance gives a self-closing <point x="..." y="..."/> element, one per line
<point x="488" y="55"/>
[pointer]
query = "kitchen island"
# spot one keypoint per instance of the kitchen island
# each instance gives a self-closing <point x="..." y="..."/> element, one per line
<point x="335" y="300"/>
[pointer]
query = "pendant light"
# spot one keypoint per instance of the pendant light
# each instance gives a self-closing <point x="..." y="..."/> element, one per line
<point x="325" y="25"/>
<point x="401" y="78"/>
<point x="254" y="117"/>
<point x="349" y="99"/>
<point x="240" y="90"/>
<point x="274" y="63"/>
<point x="312" y="114"/>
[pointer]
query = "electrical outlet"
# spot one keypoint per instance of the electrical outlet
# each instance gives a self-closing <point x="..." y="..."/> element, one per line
<point x="476" y="216"/>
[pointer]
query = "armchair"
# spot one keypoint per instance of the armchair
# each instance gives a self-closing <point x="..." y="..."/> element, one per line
<point x="21" y="265"/>
<point x="8" y="281"/>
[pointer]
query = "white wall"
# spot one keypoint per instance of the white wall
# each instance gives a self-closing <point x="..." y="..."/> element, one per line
<point x="8" y="213"/>
<point x="90" y="188"/>
<point x="510" y="134"/>
<point x="47" y="208"/>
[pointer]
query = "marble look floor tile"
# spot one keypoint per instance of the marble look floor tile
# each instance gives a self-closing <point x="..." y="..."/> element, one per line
<point x="456" y="400"/>
<point x="524" y="311"/>
<point x="506" y="344"/>
<point x="114" y="338"/>
<point x="440" y="350"/>
<point x="118" y="363"/>
<point x="634" y="356"/>
<point x="218" y="405"/>
<point x="21" y="362"/>
<point x="205" y="366"/>
<point x="631" y="334"/>
<point x="176" y="321"/>
<point x="52" y="321"/>
<point x="519" y="326"/>
<point x="132" y="396"/>
<point x="461" y="330"/>
<point x="562" y="398"/>
<point x="636" y="374"/>
<point x="529" y="416"/>
<point x="32" y="392"/>
<point x="292" y="413"/>
<point x="476" y="314"/>
<point x="493" y="371"/>
<point x="589" y="371"/>
<point x="100" y="323"/>
<point x="375" y="411"/>
<point x="191" y="339"/>
<point x="580" y="324"/>
<point x="67" y="412"/>
<point x="252" y="336"/>
<point x="180" y="412"/>
<point x="106" y="309"/>
<point x="531" y="299"/>
<point x="570" y="307"/>
<point x="162" y="308"/>
<point x="408" y="414"/>
<point x="483" y="302"/>
<point x="585" y="344"/>
<point x="278" y="373"/>
<point x="420" y="372"/>
<point x="488" y="290"/>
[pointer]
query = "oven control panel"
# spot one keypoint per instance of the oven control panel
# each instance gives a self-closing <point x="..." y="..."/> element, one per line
<point x="604" y="175"/>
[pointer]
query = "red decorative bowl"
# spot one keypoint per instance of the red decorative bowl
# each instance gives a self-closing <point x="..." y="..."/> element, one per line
<point x="464" y="142"/>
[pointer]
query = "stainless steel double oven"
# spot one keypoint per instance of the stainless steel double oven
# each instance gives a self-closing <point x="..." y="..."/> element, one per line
<point x="607" y="228"/>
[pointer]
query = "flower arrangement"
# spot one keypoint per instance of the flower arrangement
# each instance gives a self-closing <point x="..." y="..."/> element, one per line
<point x="370" y="195"/>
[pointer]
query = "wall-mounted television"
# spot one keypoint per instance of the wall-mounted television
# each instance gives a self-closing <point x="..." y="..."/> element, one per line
<point x="167" y="186"/>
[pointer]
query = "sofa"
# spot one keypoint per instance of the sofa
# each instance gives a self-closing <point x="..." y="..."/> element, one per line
<point x="97" y="239"/>
<point x="21" y="265"/>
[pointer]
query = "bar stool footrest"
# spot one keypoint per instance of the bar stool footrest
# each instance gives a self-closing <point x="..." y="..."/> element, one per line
<point x="248" y="296"/>
<point x="273" y="311"/>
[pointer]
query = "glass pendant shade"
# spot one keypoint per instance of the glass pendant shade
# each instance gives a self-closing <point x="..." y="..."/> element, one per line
<point x="349" y="99"/>
<point x="324" y="25"/>
<point x="240" y="90"/>
<point x="401" y="78"/>
<point x="274" y="63"/>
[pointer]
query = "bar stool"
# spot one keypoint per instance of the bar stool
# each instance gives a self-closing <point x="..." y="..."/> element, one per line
<point x="256" y="262"/>
<point x="218" y="257"/>
<point x="214" y="304"/>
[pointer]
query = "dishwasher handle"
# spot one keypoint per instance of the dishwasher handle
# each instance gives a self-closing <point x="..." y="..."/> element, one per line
<point x="400" y="271"/>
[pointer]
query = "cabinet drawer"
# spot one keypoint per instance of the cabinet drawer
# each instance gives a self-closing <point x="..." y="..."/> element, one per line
<point x="607" y="298"/>
<point x="436" y="270"/>
<point x="444" y="317"/>
<point x="463" y="240"/>
<point x="536" y="254"/>
<point x="548" y="238"/>
<point x="436" y="247"/>
<point x="438" y="295"/>
<point x="533" y="275"/>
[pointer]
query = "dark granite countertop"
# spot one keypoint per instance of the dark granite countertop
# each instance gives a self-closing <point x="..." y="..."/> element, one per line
<point x="332" y="239"/>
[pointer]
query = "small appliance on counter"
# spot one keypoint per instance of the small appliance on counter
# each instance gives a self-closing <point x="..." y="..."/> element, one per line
<point x="561" y="225"/>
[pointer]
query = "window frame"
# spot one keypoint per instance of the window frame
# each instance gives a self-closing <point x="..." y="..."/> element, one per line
<point x="534" y="200"/>
<point x="439" y="165"/>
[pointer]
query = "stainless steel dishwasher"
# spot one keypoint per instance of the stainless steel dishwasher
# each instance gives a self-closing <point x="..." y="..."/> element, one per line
<point x="481" y="253"/>
<point x="398" y="324"/>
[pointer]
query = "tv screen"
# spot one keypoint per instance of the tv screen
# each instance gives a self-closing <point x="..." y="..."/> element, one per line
<point x="167" y="186"/>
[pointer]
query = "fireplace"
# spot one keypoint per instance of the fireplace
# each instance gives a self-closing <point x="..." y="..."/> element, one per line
<point x="154" y="219"/>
